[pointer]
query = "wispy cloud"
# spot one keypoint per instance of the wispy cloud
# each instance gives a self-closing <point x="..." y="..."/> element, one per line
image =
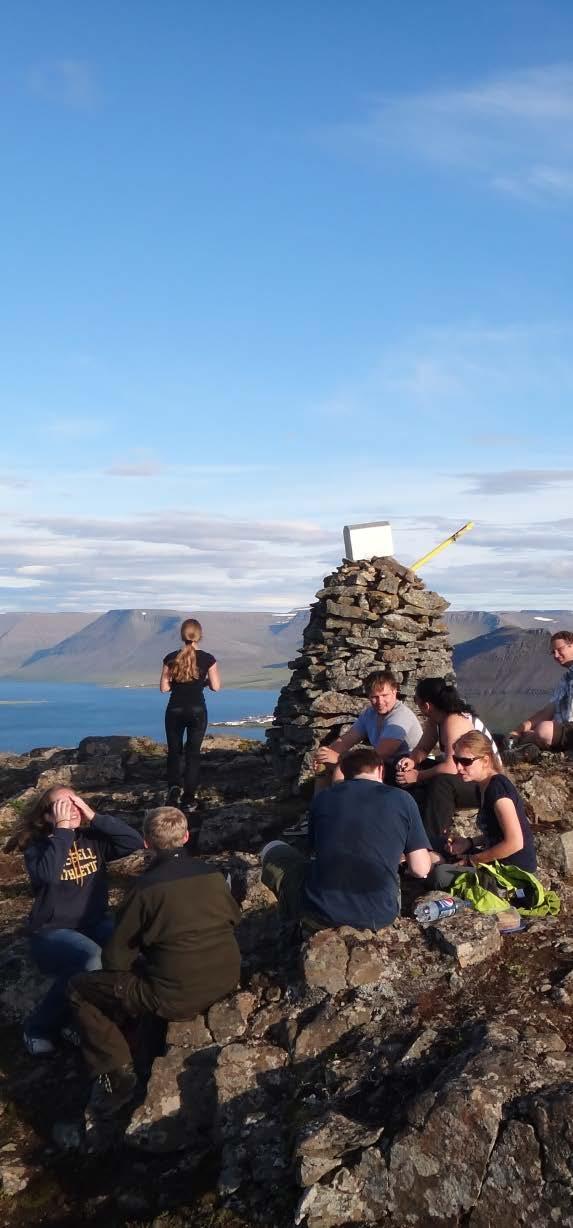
<point x="514" y="131"/>
<point x="141" y="465"/>
<point x="167" y="558"/>
<point x="514" y="481"/>
<point x="76" y="428"/>
<point x="12" y="482"/>
<point x="67" y="82"/>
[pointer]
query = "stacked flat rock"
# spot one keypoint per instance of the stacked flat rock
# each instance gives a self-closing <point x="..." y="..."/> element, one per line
<point x="371" y="614"/>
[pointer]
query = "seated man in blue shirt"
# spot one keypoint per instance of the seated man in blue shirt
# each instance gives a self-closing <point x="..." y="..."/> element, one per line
<point x="359" y="832"/>
<point x="388" y="724"/>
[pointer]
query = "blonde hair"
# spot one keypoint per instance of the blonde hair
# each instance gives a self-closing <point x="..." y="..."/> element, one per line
<point x="184" y="667"/>
<point x="477" y="744"/>
<point x="165" y="828"/>
<point x="34" y="822"/>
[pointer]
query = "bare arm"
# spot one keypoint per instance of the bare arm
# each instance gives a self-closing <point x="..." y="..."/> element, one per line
<point x="387" y="747"/>
<point x="452" y="728"/>
<point x="165" y="680"/>
<point x="544" y="714"/>
<point x="409" y="763"/>
<point x="419" y="862"/>
<point x="512" y="841"/>
<point x="427" y="742"/>
<point x="214" y="677"/>
<point x="332" y="753"/>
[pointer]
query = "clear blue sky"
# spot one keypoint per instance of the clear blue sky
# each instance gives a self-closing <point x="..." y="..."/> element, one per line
<point x="268" y="269"/>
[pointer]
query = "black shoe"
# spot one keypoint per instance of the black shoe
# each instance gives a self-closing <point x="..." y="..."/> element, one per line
<point x="299" y="829"/>
<point x="110" y="1092"/>
<point x="174" y="796"/>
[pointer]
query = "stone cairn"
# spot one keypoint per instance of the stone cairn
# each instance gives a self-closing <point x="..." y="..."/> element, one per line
<point x="369" y="615"/>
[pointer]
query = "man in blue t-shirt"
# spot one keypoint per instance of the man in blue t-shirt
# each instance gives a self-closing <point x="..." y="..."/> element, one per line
<point x="359" y="832"/>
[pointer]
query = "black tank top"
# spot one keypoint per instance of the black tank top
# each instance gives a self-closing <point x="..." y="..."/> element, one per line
<point x="190" y="694"/>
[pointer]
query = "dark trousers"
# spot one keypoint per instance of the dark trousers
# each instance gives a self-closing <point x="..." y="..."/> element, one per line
<point x="179" y="722"/>
<point x="107" y="1004"/>
<point x="438" y="799"/>
<point x="104" y="1005"/>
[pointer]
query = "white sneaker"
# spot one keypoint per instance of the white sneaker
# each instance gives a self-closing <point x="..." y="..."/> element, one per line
<point x="38" y="1046"/>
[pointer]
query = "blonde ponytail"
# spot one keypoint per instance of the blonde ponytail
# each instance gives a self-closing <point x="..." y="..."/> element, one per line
<point x="184" y="667"/>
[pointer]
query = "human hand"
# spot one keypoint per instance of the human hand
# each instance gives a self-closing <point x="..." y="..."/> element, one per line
<point x="458" y="845"/>
<point x="525" y="727"/>
<point x="65" y="815"/>
<point x="407" y="777"/>
<point x="406" y="764"/>
<point x="325" y="754"/>
<point x="85" y="810"/>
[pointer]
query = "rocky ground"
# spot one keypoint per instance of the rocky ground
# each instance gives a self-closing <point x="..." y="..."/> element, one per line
<point x="407" y="1077"/>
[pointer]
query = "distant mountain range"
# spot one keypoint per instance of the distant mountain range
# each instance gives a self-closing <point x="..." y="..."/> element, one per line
<point x="503" y="662"/>
<point x="502" y="659"/>
<point x="127" y="647"/>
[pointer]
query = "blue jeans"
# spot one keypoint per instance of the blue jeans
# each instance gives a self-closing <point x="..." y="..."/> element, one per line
<point x="62" y="953"/>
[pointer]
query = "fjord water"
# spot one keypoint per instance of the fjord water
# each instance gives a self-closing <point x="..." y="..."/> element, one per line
<point x="36" y="714"/>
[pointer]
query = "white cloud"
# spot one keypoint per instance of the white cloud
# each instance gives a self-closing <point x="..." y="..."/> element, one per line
<point x="167" y="559"/>
<point x="514" y="131"/>
<point x="68" y="82"/>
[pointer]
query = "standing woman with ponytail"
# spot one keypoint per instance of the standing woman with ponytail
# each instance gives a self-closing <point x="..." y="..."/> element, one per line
<point x="185" y="674"/>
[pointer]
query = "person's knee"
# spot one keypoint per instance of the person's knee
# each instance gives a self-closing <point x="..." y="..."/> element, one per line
<point x="272" y="844"/>
<point x="545" y="733"/>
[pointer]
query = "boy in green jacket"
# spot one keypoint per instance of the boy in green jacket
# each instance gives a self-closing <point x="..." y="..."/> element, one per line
<point x="178" y="923"/>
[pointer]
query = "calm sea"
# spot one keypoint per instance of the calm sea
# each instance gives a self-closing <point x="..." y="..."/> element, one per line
<point x="61" y="714"/>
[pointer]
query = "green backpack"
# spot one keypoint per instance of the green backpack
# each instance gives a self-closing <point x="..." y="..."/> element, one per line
<point x="495" y="887"/>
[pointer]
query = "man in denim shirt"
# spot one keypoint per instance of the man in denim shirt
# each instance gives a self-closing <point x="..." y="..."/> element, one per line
<point x="552" y="727"/>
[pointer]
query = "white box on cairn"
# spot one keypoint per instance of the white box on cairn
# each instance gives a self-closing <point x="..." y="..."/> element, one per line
<point x="368" y="541"/>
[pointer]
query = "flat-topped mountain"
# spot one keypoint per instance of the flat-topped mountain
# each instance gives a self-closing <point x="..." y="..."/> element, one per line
<point x="128" y="646"/>
<point x="22" y="634"/>
<point x="502" y="658"/>
<point x="469" y="624"/>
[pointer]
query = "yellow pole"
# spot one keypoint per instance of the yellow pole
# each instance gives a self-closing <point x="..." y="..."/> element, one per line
<point x="442" y="546"/>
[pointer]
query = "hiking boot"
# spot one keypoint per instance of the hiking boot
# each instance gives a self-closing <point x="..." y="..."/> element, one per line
<point x="71" y="1037"/>
<point x="299" y="828"/>
<point x="110" y="1092"/>
<point x="38" y="1046"/>
<point x="173" y="796"/>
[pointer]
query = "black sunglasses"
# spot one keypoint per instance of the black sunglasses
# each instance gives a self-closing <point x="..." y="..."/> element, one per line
<point x="465" y="760"/>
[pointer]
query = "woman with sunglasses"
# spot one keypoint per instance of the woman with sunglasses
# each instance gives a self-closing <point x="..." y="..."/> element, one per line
<point x="435" y="784"/>
<point x="506" y="835"/>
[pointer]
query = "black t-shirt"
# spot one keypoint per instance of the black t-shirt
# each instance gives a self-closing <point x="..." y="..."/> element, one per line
<point x="498" y="787"/>
<point x="190" y="694"/>
<point x="358" y="830"/>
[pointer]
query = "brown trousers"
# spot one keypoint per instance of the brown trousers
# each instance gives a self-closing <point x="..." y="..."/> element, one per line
<point x="104" y="1004"/>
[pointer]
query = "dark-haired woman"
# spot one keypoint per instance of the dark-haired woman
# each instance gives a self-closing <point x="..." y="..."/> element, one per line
<point x="436" y="785"/>
<point x="66" y="847"/>
<point x="185" y="674"/>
